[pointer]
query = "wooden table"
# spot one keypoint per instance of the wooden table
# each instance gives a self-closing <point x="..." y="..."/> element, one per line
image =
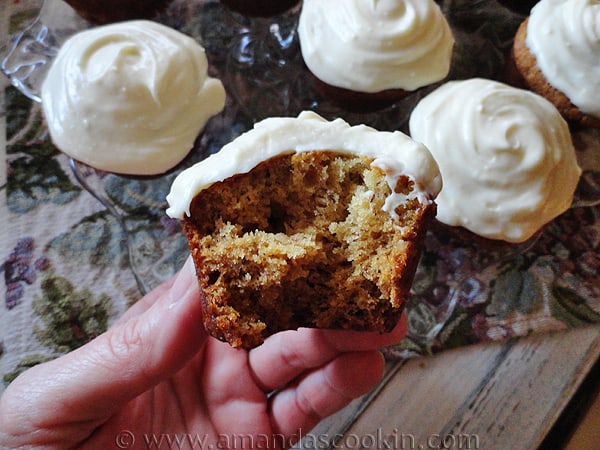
<point x="488" y="396"/>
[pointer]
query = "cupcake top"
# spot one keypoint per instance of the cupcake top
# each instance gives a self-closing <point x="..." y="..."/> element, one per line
<point x="393" y="152"/>
<point x="564" y="37"/>
<point x="375" y="45"/>
<point x="505" y="154"/>
<point x="130" y="97"/>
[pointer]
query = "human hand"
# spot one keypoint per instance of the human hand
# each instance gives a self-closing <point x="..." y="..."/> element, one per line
<point x="156" y="376"/>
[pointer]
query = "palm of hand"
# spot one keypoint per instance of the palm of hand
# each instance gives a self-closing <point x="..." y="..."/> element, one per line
<point x="201" y="404"/>
<point x="215" y="401"/>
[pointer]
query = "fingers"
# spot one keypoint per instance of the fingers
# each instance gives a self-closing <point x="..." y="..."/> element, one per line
<point x="236" y="403"/>
<point x="318" y="372"/>
<point x="293" y="352"/>
<point x="323" y="392"/>
<point x="130" y="358"/>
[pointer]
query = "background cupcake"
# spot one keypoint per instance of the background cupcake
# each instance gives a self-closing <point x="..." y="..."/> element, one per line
<point x="365" y="55"/>
<point x="506" y="157"/>
<point x="106" y="11"/>
<point x="557" y="52"/>
<point x="520" y="6"/>
<point x="129" y="97"/>
<point x="260" y="8"/>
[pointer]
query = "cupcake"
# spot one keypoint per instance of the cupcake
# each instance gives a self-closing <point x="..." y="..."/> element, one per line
<point x="365" y="55"/>
<point x="557" y="52"/>
<point x="519" y="6"/>
<point x="260" y="8"/>
<point x="101" y="12"/>
<point x="129" y="97"/>
<point x="505" y="154"/>
<point x="301" y="222"/>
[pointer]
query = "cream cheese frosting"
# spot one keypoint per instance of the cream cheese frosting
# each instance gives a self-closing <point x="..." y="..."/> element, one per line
<point x="506" y="157"/>
<point x="564" y="37"/>
<point x="129" y="97"/>
<point x="393" y="152"/>
<point x="374" y="45"/>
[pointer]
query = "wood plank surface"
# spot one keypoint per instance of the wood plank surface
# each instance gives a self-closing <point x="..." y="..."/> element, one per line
<point x="488" y="396"/>
<point x="586" y="434"/>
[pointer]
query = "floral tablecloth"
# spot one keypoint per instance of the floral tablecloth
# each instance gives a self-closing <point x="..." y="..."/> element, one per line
<point x="77" y="246"/>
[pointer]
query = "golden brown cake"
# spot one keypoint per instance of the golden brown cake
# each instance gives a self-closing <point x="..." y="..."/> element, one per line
<point x="300" y="242"/>
<point x="107" y="11"/>
<point x="306" y="238"/>
<point x="565" y="63"/>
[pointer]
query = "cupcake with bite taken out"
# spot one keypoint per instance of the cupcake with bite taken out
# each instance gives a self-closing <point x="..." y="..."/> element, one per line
<point x="365" y="55"/>
<point x="302" y="222"/>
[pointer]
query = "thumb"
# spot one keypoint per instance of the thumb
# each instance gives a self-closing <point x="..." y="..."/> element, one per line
<point x="100" y="377"/>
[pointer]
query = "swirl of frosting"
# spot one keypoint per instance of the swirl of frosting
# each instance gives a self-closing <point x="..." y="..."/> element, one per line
<point x="130" y="97"/>
<point x="506" y="156"/>
<point x="564" y="37"/>
<point x="374" y="45"/>
<point x="393" y="152"/>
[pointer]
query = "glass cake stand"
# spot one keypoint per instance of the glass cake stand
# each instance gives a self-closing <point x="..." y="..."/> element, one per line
<point x="27" y="56"/>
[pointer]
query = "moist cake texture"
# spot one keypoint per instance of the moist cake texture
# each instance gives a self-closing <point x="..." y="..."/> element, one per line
<point x="302" y="241"/>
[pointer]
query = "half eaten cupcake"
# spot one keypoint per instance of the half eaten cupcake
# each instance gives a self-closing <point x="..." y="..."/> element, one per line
<point x="301" y="222"/>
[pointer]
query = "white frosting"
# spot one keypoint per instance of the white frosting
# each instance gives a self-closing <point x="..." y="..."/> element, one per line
<point x="505" y="154"/>
<point x="130" y="97"/>
<point x="374" y="45"/>
<point x="393" y="152"/>
<point x="564" y="37"/>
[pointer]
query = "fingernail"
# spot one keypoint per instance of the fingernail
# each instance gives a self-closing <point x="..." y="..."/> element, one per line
<point x="185" y="279"/>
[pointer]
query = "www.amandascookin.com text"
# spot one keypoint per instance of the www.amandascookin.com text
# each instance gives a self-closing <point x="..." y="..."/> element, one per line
<point x="380" y="440"/>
